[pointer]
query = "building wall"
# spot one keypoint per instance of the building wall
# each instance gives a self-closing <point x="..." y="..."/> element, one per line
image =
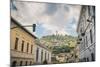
<point x="86" y="46"/>
<point x="42" y="57"/>
<point x="17" y="54"/>
<point x="24" y="58"/>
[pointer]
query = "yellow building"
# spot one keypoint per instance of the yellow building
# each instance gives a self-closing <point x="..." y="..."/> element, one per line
<point x="22" y="43"/>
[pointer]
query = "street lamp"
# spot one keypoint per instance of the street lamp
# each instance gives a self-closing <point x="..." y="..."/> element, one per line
<point x="80" y="39"/>
<point x="82" y="34"/>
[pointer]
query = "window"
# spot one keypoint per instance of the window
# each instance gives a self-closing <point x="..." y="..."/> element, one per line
<point x="91" y="36"/>
<point x="22" y="48"/>
<point x="14" y="63"/>
<point x="86" y="42"/>
<point x="21" y="63"/>
<point x="87" y="59"/>
<point x="89" y="10"/>
<point x="37" y="52"/>
<point x="93" y="7"/>
<point x="45" y="55"/>
<point x="31" y="48"/>
<point x="16" y="43"/>
<point x="27" y="47"/>
<point x="41" y="55"/>
<point x="80" y="30"/>
<point x="84" y="59"/>
<point x="48" y="56"/>
<point x="30" y="62"/>
<point x="26" y="63"/>
<point x="92" y="57"/>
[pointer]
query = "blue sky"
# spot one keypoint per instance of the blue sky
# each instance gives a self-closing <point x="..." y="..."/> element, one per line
<point x="49" y="17"/>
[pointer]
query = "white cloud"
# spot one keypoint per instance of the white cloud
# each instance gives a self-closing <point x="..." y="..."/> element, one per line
<point x="53" y="18"/>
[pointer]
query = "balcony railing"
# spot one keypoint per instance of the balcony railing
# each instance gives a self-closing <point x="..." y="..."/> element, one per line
<point x="83" y="34"/>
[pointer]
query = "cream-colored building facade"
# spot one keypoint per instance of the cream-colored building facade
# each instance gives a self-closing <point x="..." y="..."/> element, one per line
<point x="24" y="49"/>
<point x="22" y="45"/>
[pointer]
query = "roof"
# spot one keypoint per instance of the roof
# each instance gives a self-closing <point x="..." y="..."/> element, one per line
<point x="17" y="23"/>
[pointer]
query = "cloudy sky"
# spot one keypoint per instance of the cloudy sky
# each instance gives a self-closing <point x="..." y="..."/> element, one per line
<point x="50" y="18"/>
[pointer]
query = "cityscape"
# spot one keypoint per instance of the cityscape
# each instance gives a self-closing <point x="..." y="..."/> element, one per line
<point x="51" y="33"/>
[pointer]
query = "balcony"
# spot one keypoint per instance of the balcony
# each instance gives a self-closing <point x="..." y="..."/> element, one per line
<point x="80" y="39"/>
<point x="90" y="19"/>
<point x="83" y="34"/>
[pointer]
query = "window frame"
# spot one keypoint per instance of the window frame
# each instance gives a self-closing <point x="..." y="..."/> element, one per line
<point x="22" y="46"/>
<point x="16" y="43"/>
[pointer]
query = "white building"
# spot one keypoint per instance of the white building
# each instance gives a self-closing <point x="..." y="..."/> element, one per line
<point x="42" y="54"/>
<point x="86" y="34"/>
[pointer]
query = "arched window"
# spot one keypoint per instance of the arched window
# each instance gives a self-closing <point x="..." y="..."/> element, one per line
<point x="21" y="62"/>
<point x="31" y="48"/>
<point x="30" y="62"/>
<point x="16" y="43"/>
<point x="26" y="63"/>
<point x="14" y="63"/>
<point x="22" y="47"/>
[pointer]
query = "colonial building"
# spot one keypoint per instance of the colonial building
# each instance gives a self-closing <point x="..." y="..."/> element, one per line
<point x="22" y="45"/>
<point x="86" y="34"/>
<point x="24" y="48"/>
